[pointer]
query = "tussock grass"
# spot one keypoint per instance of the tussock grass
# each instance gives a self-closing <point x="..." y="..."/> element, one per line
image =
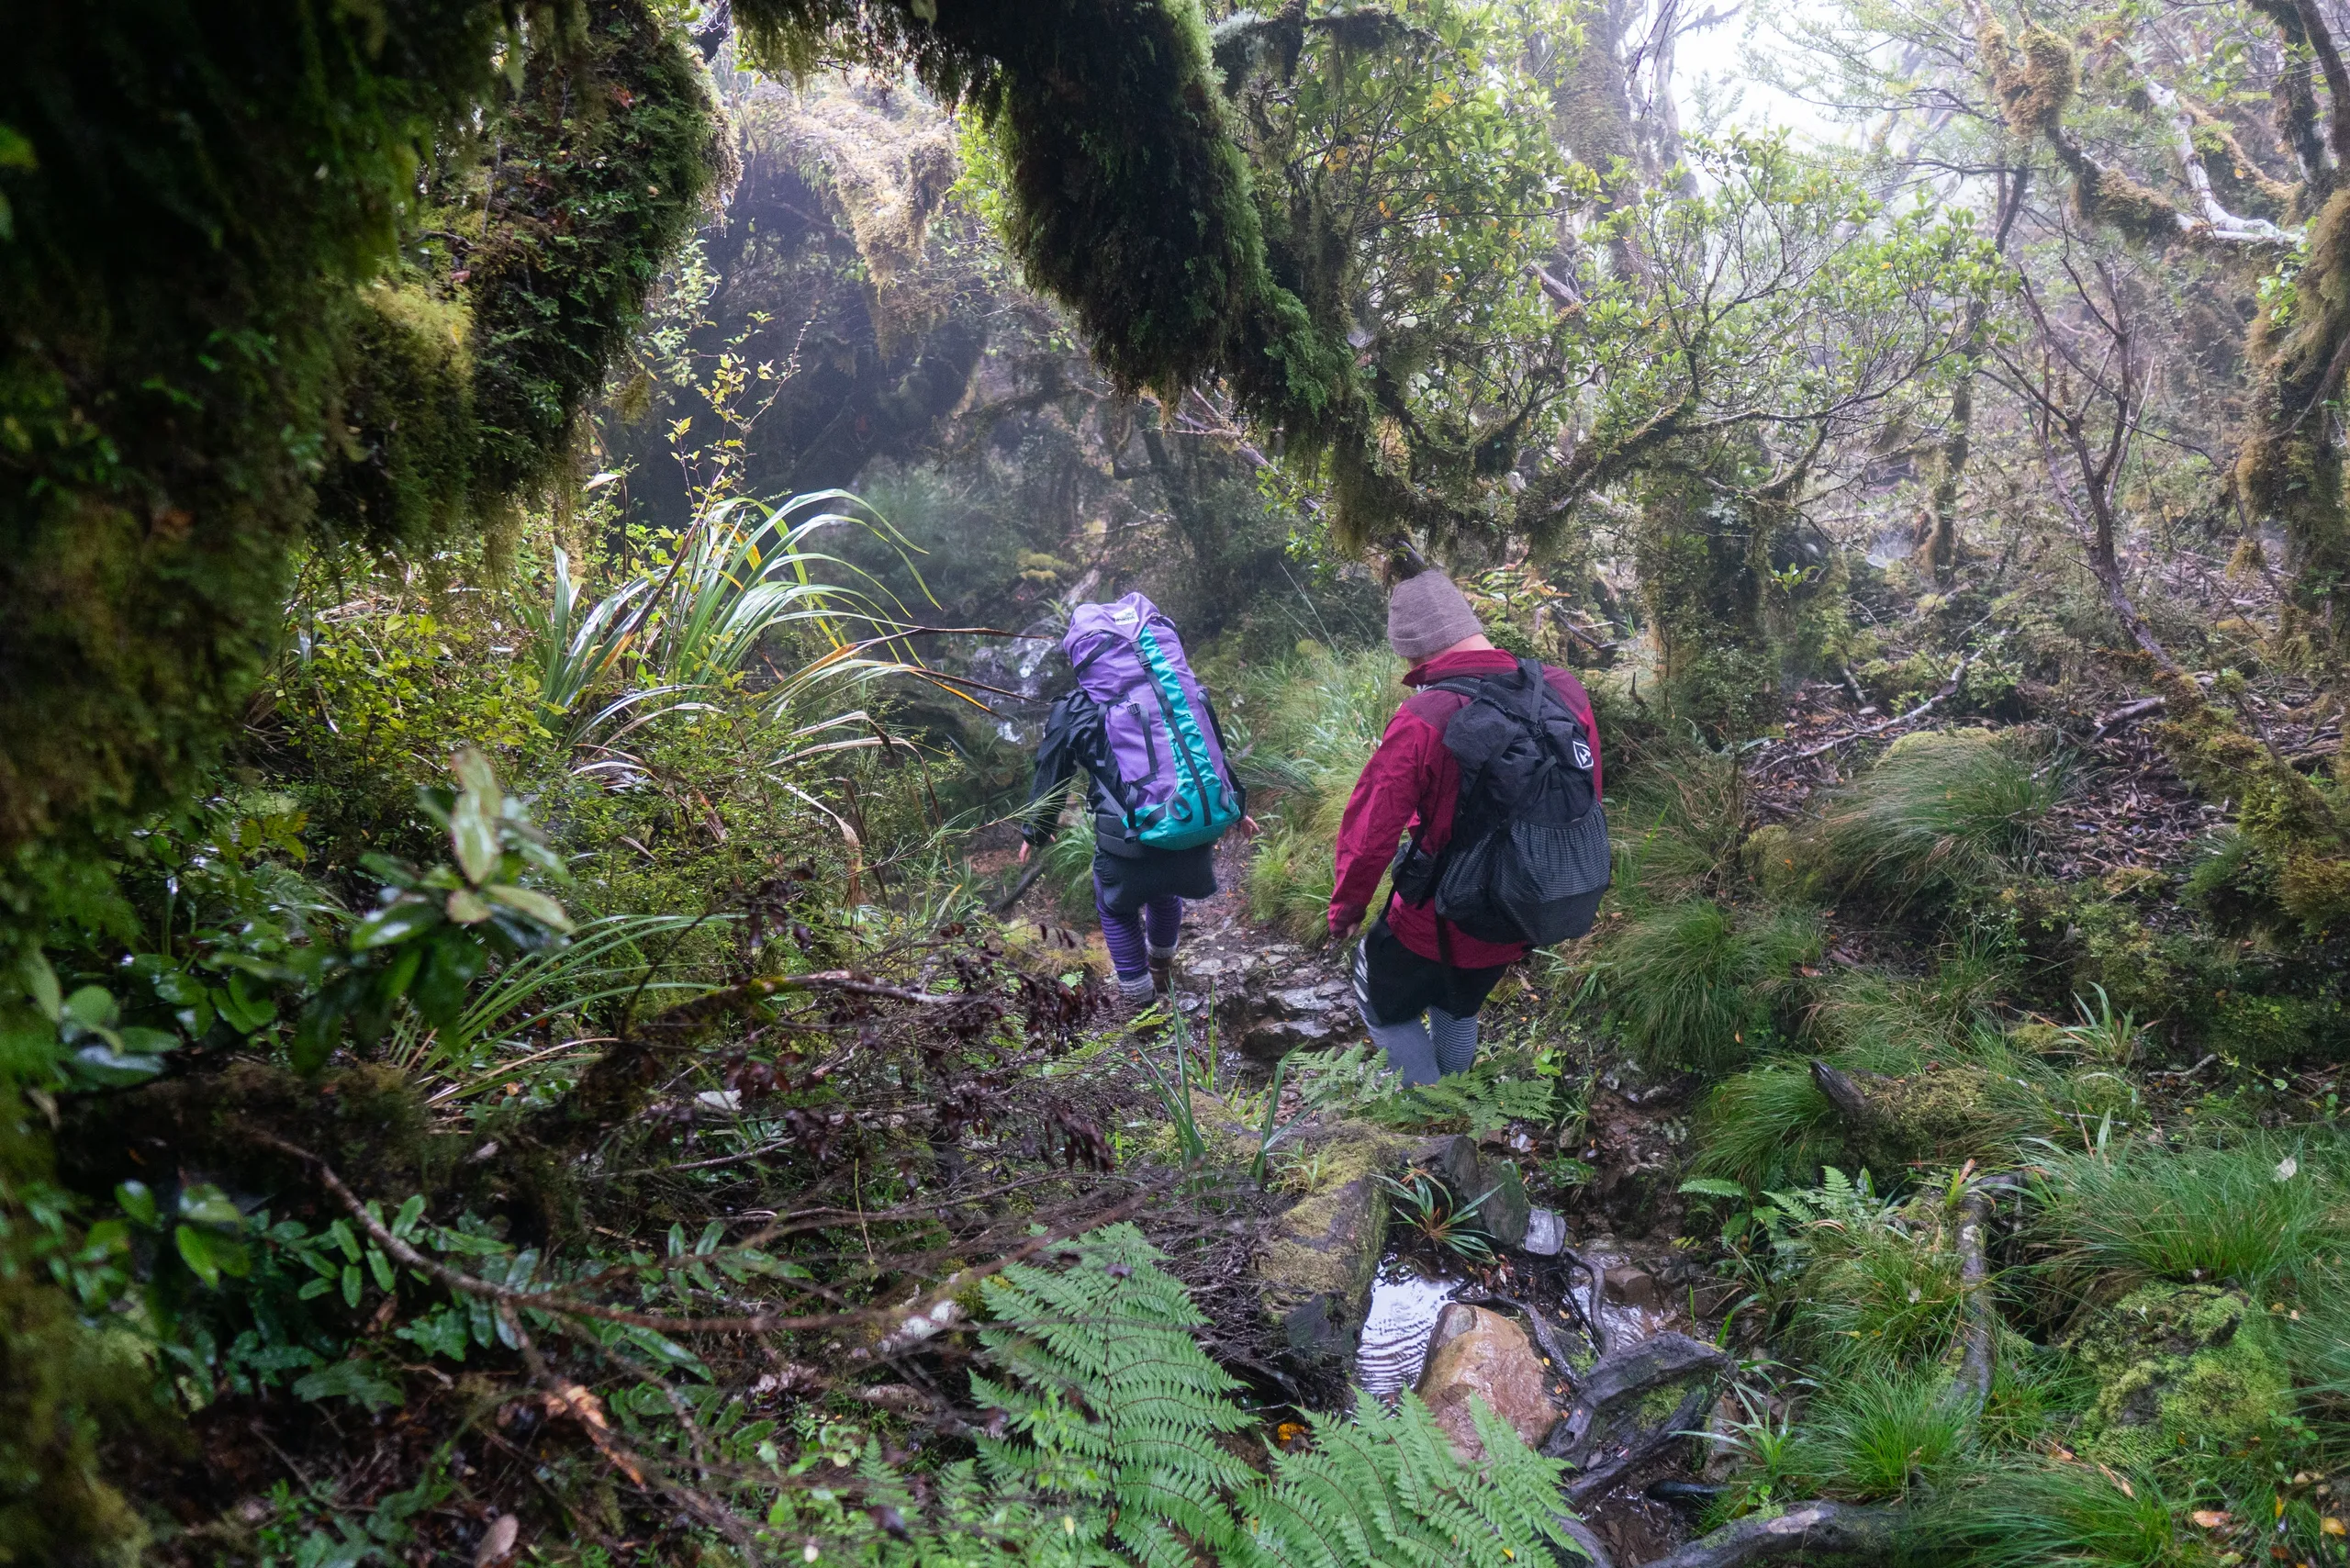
<point x="1877" y="1431"/>
<point x="2244" y="1216"/>
<point x="1941" y="815"/>
<point x="1695" y="985"/>
<point x="1677" y="828"/>
<point x="1768" y="1127"/>
<point x="2029" y="1513"/>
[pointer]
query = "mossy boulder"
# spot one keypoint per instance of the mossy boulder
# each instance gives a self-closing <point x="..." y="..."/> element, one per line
<point x="1316" y="1268"/>
<point x="2180" y="1368"/>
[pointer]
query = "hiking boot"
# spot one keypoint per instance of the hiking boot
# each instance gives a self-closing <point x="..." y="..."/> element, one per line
<point x="1162" y="979"/>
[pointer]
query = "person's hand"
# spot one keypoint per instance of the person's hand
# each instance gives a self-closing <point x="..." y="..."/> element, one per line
<point x="1248" y="828"/>
<point x="1341" y="931"/>
<point x="1022" y="859"/>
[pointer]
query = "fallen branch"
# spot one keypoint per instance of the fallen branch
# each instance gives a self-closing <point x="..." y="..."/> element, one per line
<point x="1948" y="689"/>
<point x="2128" y="714"/>
<point x="1807" y="1528"/>
<point x="1641" y="1448"/>
<point x="1622" y="1376"/>
<point x="1978" y="1363"/>
<point x="1027" y="881"/>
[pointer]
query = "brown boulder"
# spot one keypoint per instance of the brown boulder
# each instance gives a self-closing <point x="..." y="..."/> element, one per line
<point x="1475" y="1352"/>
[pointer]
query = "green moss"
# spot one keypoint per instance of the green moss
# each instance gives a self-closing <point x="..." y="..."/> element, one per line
<point x="2113" y="197"/>
<point x="2180" y="1369"/>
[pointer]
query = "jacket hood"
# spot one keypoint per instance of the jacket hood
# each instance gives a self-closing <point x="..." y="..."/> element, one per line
<point x="1472" y="661"/>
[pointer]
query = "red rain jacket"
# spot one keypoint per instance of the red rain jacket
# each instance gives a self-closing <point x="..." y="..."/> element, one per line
<point x="1412" y="781"/>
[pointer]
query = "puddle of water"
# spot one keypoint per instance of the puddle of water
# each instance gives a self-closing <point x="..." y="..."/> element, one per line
<point x="1405" y="1306"/>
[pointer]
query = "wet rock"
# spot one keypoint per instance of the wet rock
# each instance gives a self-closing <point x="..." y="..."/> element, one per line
<point x="1473" y="1353"/>
<point x="1270" y="1009"/>
<point x="1506" y="1210"/>
<point x="1546" y="1233"/>
<point x="1629" y="1284"/>
<point x="1468" y="1175"/>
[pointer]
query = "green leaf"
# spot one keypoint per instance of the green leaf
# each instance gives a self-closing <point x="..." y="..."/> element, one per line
<point x="531" y="902"/>
<point x="245" y="1013"/>
<point x="351" y="1284"/>
<point x="40" y="983"/>
<point x="405" y="1221"/>
<point x="146" y="1042"/>
<point x="353" y="1379"/>
<point x="381" y="1267"/>
<point x="396" y="921"/>
<point x="93" y="1007"/>
<point x="138" y="1201"/>
<point x="1712" y="1187"/>
<point x="195" y="1251"/>
<point x="466" y="907"/>
<point x="473" y="822"/>
<point x="107" y="1068"/>
<point x="208" y="1205"/>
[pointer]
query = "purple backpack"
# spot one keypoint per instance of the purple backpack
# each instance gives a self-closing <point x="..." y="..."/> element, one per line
<point x="1171" y="779"/>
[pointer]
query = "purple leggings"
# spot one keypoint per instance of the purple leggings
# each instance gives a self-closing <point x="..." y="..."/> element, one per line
<point x="1133" y="939"/>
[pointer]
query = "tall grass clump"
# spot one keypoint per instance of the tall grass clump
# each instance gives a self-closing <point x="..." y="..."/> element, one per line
<point x="1941" y="814"/>
<point x="1312" y="720"/>
<point x="1678" y="827"/>
<point x="1768" y="1127"/>
<point x="1697" y="986"/>
<point x="2029" y="1513"/>
<point x="2243" y="1216"/>
<point x="1878" y="1431"/>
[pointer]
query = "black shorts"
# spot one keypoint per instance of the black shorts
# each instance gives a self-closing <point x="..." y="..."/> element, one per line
<point x="1123" y="883"/>
<point x="1395" y="985"/>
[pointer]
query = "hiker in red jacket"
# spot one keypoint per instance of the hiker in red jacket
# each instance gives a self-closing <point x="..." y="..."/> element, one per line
<point x="1419" y="979"/>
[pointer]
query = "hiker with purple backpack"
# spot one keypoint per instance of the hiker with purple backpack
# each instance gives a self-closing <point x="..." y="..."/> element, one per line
<point x="1157" y="786"/>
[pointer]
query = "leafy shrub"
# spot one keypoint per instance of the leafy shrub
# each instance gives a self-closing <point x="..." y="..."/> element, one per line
<point x="1697" y="986"/>
<point x="1942" y="813"/>
<point x="2243" y="1215"/>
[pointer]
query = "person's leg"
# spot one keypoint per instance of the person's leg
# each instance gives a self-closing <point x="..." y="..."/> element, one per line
<point x="1123" y="935"/>
<point x="1409" y="1052"/>
<point x="1162" y="921"/>
<point x="1406" y="1044"/>
<point x="1453" y="1039"/>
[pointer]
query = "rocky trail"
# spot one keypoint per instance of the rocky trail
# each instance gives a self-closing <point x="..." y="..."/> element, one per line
<point x="1592" y="1329"/>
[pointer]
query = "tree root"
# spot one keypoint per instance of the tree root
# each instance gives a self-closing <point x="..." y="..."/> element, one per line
<point x="1807" y="1528"/>
<point x="1597" y="1482"/>
<point x="1624" y="1375"/>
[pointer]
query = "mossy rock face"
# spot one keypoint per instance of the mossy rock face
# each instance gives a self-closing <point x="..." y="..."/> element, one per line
<point x="2181" y="1367"/>
<point x="1316" y="1269"/>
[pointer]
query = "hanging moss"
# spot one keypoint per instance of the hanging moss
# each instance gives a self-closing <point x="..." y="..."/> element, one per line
<point x="206" y="184"/>
<point x="2113" y="198"/>
<point x="1130" y="201"/>
<point x="2035" y="90"/>
<point x="2290" y="467"/>
<point x="402" y="468"/>
<point x="602" y="166"/>
<point x="196" y="363"/>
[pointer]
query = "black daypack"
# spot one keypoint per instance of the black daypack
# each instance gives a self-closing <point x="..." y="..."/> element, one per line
<point x="1527" y="858"/>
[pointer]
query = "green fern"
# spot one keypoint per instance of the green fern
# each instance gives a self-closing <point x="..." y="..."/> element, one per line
<point x="1113" y="1451"/>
